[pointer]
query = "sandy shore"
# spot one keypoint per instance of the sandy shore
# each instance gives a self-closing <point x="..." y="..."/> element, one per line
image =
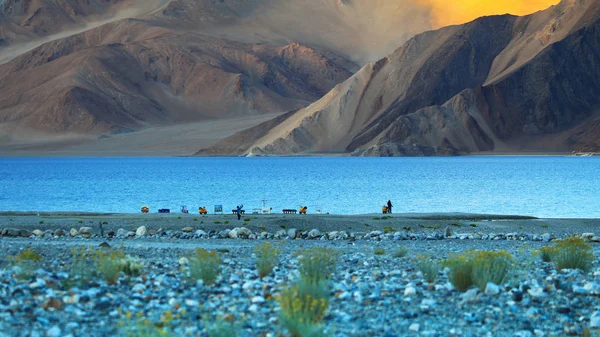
<point x="420" y="223"/>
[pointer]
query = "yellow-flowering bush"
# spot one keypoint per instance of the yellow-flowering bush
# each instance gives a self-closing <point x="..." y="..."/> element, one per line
<point x="267" y="257"/>
<point x="206" y="266"/>
<point x="429" y="267"/>
<point x="303" y="306"/>
<point x="478" y="267"/>
<point x="546" y="253"/>
<point x="27" y="261"/>
<point x="317" y="264"/>
<point x="573" y="253"/>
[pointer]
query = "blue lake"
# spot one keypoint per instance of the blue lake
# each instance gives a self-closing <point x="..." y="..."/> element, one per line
<point x="539" y="186"/>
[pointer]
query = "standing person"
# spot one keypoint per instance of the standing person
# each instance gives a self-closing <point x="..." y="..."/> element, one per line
<point x="389" y="204"/>
<point x="239" y="211"/>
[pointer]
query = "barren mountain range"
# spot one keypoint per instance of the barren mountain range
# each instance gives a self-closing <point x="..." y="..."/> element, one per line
<point x="499" y="83"/>
<point x="92" y="72"/>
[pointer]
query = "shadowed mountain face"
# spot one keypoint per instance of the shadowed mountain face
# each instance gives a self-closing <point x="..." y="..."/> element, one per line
<point x="500" y="83"/>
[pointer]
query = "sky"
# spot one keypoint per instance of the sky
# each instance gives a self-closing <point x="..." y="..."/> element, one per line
<point x="450" y="12"/>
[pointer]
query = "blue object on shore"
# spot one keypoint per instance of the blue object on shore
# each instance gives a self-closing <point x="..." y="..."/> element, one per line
<point x="164" y="210"/>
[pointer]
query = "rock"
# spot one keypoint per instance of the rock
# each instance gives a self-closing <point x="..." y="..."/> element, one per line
<point x="491" y="289"/>
<point x="187" y="229"/>
<point x="546" y="237"/>
<point x="54" y="332"/>
<point x="233" y="234"/>
<point x="24" y="233"/>
<point x="587" y="236"/>
<point x="536" y="292"/>
<point x="141" y="231"/>
<point x="595" y="238"/>
<point x="448" y="232"/>
<point x="11" y="232"/>
<point x="86" y="232"/>
<point x="517" y="296"/>
<point x="52" y="303"/>
<point x="200" y="233"/>
<point x="174" y="303"/>
<point x="414" y="327"/>
<point x="592" y="288"/>
<point x="38" y="233"/>
<point x="138" y="288"/>
<point x="410" y="291"/>
<point x="470" y="295"/>
<point x="315" y="233"/>
<point x="59" y="232"/>
<point x="595" y="320"/>
<point x="122" y="232"/>
<point x="184" y="261"/>
<point x="292" y="233"/>
<point x="244" y="233"/>
<point x="73" y="232"/>
<point x="104" y="245"/>
<point x="258" y="299"/>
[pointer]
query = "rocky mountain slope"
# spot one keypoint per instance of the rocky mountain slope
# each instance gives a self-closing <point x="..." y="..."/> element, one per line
<point x="500" y="83"/>
<point x="72" y="68"/>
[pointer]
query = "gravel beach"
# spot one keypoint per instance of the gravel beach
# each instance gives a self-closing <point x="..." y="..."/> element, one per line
<point x="373" y="292"/>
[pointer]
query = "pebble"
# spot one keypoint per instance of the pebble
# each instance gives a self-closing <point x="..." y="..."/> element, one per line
<point x="54" y="331"/>
<point x="491" y="289"/>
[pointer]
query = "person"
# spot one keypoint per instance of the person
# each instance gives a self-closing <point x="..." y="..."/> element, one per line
<point x="389" y="205"/>
<point x="239" y="211"/>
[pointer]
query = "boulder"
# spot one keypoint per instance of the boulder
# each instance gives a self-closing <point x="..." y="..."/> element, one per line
<point x="141" y="231"/>
<point x="187" y="229"/>
<point x="122" y="232"/>
<point x="59" y="232"/>
<point x="292" y="233"/>
<point x="233" y="234"/>
<point x="86" y="232"/>
<point x="595" y="238"/>
<point x="314" y="234"/>
<point x="491" y="289"/>
<point x="244" y="233"/>
<point x="38" y="233"/>
<point x="24" y="233"/>
<point x="10" y="232"/>
<point x="448" y="232"/>
<point x="73" y="232"/>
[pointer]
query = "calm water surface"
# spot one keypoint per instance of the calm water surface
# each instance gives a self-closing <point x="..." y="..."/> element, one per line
<point x="538" y="186"/>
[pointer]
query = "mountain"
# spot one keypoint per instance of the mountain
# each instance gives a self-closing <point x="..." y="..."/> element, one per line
<point x="85" y="68"/>
<point x="499" y="83"/>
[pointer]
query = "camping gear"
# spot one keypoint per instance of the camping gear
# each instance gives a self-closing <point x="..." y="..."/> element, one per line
<point x="303" y="209"/>
<point x="164" y="210"/>
<point x="218" y="209"/>
<point x="145" y="209"/>
<point x="202" y="210"/>
<point x="289" y="211"/>
<point x="184" y="209"/>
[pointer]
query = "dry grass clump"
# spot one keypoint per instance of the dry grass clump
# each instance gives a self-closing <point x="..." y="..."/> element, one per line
<point x="430" y="268"/>
<point x="88" y="263"/>
<point x="546" y="253"/>
<point x="141" y="326"/>
<point x="303" y="306"/>
<point x="27" y="261"/>
<point x="205" y="265"/>
<point x="573" y="253"/>
<point x="478" y="267"/>
<point x="317" y="264"/>
<point x="221" y="328"/>
<point x="400" y="252"/>
<point x="267" y="257"/>
<point x="379" y="251"/>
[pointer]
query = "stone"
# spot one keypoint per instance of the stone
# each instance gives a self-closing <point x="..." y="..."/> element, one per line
<point x="315" y="233"/>
<point x="10" y="232"/>
<point x="59" y="232"/>
<point x="187" y="229"/>
<point x="73" y="233"/>
<point x="38" y="233"/>
<point x="595" y="320"/>
<point x="52" y="303"/>
<point x="122" y="232"/>
<point x="104" y="245"/>
<point x="536" y="292"/>
<point x="24" y="233"/>
<point x="517" y="296"/>
<point x="414" y="327"/>
<point x="595" y="238"/>
<point x="244" y="233"/>
<point x="546" y="237"/>
<point x="592" y="288"/>
<point x="410" y="291"/>
<point x="200" y="233"/>
<point x="86" y="232"/>
<point x="233" y="234"/>
<point x="141" y="231"/>
<point x="54" y="332"/>
<point x="470" y="295"/>
<point x="292" y="233"/>
<point x="138" y="288"/>
<point x="448" y="232"/>
<point x="587" y="236"/>
<point x="184" y="261"/>
<point x="491" y="289"/>
<point x="258" y="299"/>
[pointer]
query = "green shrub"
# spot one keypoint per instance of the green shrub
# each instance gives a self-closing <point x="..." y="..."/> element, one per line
<point x="141" y="326"/>
<point x="379" y="251"/>
<point x="387" y="230"/>
<point x="267" y="257"/>
<point x="27" y="261"/>
<point x="473" y="225"/>
<point x="435" y="226"/>
<point x="246" y="219"/>
<point x="221" y="328"/>
<point x="303" y="306"/>
<point x="317" y="264"/>
<point x="217" y="222"/>
<point x="430" y="268"/>
<point x="110" y="265"/>
<point x="461" y="271"/>
<point x="206" y="266"/>
<point x="456" y="224"/>
<point x="546" y="253"/>
<point x="407" y="228"/>
<point x="491" y="266"/>
<point x="226" y="222"/>
<point x="573" y="253"/>
<point x="478" y="267"/>
<point x="262" y="228"/>
<point x="41" y="222"/>
<point x="400" y="252"/>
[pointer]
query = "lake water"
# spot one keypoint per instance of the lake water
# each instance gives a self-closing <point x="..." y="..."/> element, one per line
<point x="538" y="186"/>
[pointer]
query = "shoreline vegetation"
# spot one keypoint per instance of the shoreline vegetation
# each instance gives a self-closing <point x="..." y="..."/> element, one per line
<point x="298" y="275"/>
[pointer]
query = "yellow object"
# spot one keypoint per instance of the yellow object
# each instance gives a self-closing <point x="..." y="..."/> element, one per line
<point x="145" y="209"/>
<point x="202" y="211"/>
<point x="384" y="210"/>
<point x="303" y="210"/>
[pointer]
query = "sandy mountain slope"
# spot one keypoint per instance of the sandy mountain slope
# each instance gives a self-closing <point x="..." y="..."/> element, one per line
<point x="498" y="83"/>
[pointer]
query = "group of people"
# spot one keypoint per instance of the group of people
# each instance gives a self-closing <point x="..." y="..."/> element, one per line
<point x="387" y="209"/>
